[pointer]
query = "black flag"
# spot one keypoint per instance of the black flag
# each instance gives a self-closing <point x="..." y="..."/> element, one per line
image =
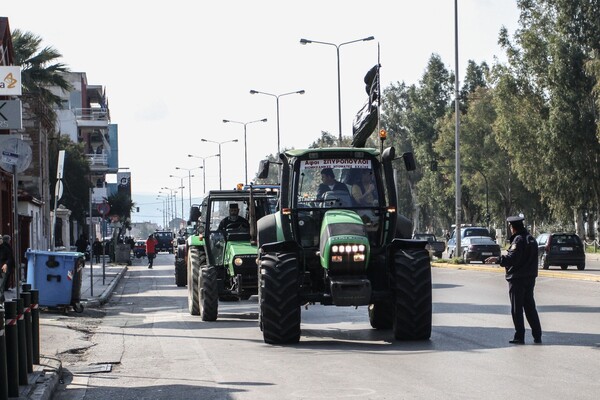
<point x="366" y="119"/>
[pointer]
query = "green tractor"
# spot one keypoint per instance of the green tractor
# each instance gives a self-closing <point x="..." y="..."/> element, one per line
<point x="341" y="242"/>
<point x="221" y="255"/>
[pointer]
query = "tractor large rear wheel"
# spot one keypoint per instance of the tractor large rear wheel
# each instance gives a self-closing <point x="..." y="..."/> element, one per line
<point x="412" y="292"/>
<point x="196" y="260"/>
<point x="279" y="304"/>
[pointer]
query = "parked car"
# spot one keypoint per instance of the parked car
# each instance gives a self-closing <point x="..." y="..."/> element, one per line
<point x="465" y="231"/>
<point x="139" y="249"/>
<point x="436" y="247"/>
<point x="478" y="248"/>
<point x="562" y="249"/>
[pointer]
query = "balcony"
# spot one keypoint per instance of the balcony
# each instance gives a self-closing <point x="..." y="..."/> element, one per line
<point x="98" y="162"/>
<point x="92" y="117"/>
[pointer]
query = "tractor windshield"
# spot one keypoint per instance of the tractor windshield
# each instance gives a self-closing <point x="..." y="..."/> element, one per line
<point x="346" y="183"/>
<point x="225" y="216"/>
<point x="324" y="184"/>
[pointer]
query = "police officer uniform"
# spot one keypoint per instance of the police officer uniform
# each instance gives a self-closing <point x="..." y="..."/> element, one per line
<point x="521" y="264"/>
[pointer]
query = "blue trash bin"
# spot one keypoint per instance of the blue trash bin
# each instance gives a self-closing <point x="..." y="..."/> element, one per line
<point x="57" y="277"/>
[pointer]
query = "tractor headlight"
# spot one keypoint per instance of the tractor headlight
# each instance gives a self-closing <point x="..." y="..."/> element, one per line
<point x="348" y="252"/>
<point x="237" y="262"/>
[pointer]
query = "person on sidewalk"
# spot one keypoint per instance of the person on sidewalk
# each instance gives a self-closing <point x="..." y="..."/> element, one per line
<point x="97" y="249"/>
<point x="521" y="264"/>
<point x="151" y="243"/>
<point x="82" y="246"/>
<point x="7" y="263"/>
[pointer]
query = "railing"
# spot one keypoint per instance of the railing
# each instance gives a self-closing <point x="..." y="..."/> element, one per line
<point x="595" y="244"/>
<point x="98" y="159"/>
<point x="92" y="114"/>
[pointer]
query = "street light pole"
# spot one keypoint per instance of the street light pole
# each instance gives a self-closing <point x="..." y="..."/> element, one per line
<point x="245" y="143"/>
<point x="277" y="96"/>
<point x="220" y="157"/>
<point x="180" y="187"/>
<point x="337" y="48"/>
<point x="173" y="192"/>
<point x="203" y="168"/>
<point x="166" y="206"/>
<point x="457" y="201"/>
<point x="189" y="171"/>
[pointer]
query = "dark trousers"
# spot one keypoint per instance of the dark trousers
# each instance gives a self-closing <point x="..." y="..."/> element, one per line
<point x="3" y="277"/>
<point x="520" y="292"/>
<point x="151" y="258"/>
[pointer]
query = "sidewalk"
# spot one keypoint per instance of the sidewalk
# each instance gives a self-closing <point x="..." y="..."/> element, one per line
<point x="97" y="285"/>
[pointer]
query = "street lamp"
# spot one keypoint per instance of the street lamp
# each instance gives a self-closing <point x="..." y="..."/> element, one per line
<point x="219" y="143"/>
<point x="337" y="48"/>
<point x="203" y="169"/>
<point x="189" y="171"/>
<point x="180" y="187"/>
<point x="173" y="193"/>
<point x="457" y="198"/>
<point x="166" y="198"/>
<point x="277" y="96"/>
<point x="245" y="143"/>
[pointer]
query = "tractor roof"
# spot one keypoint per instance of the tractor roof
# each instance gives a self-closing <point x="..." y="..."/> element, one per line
<point x="326" y="151"/>
<point x="240" y="194"/>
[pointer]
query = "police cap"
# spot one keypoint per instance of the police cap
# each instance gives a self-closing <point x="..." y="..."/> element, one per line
<point x="515" y="218"/>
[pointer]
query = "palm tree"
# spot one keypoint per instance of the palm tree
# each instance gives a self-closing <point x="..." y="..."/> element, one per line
<point x="38" y="67"/>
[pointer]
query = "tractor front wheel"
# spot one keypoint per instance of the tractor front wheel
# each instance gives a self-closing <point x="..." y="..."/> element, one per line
<point x="412" y="292"/>
<point x="279" y="304"/>
<point x="209" y="293"/>
<point x="196" y="259"/>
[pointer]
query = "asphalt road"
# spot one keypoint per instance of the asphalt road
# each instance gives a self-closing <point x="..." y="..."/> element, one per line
<point x="154" y="349"/>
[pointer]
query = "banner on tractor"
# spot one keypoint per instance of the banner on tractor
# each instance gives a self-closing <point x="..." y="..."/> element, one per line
<point x="335" y="163"/>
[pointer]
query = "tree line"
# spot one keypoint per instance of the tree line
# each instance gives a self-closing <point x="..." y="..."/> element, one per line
<point x="529" y="132"/>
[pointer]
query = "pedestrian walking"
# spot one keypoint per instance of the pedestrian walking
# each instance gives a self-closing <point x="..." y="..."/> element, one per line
<point x="82" y="245"/>
<point x="151" y="243"/>
<point x="521" y="265"/>
<point x="97" y="249"/>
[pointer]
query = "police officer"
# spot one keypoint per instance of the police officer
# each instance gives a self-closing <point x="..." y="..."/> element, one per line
<point x="521" y="264"/>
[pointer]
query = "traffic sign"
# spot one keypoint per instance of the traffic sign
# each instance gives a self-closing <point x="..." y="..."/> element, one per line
<point x="103" y="208"/>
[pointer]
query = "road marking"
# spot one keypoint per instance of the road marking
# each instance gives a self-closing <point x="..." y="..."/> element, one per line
<point x="498" y="269"/>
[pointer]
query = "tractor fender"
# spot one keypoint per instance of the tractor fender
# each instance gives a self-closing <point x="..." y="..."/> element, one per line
<point x="288" y="246"/>
<point x="404" y="227"/>
<point x="404" y="244"/>
<point x="273" y="228"/>
<point x="195" y="240"/>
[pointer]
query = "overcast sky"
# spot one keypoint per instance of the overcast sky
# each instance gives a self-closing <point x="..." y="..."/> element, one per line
<point x="173" y="70"/>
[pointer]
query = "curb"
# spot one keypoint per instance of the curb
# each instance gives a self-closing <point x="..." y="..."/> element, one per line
<point x="498" y="269"/>
<point x="44" y="379"/>
<point x="106" y="294"/>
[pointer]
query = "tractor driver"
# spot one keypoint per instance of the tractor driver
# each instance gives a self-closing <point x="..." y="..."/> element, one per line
<point x="234" y="221"/>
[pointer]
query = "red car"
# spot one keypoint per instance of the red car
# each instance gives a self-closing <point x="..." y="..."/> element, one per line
<point x="139" y="249"/>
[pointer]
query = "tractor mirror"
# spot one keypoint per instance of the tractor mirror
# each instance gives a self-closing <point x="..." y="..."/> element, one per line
<point x="195" y="213"/>
<point x="263" y="169"/>
<point x="409" y="161"/>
